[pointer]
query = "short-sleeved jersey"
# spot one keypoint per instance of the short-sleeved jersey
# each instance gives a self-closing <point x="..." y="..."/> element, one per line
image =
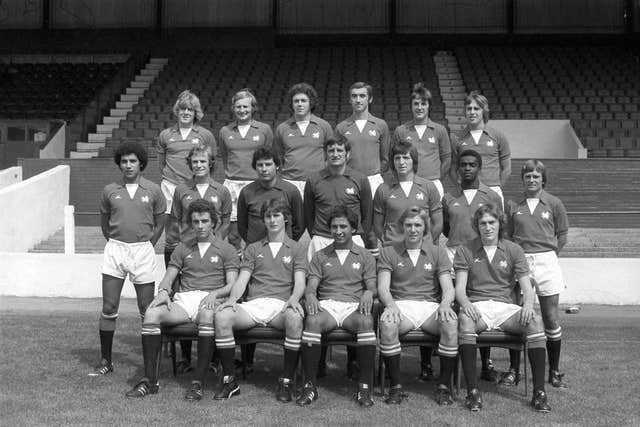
<point x="369" y="148"/>
<point x="250" y="201"/>
<point x="237" y="152"/>
<point x="537" y="231"/>
<point x="206" y="273"/>
<point x="458" y="213"/>
<point x="132" y="219"/>
<point x="272" y="277"/>
<point x="301" y="154"/>
<point x="493" y="280"/>
<point x="419" y="282"/>
<point x="390" y="201"/>
<point x="433" y="147"/>
<point x="186" y="193"/>
<point x="346" y="282"/>
<point x="324" y="191"/>
<point x="493" y="147"/>
<point x="175" y="150"/>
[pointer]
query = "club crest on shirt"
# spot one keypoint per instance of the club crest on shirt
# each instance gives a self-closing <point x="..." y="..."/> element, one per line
<point x="290" y="134"/>
<point x="214" y="199"/>
<point x="372" y="132"/>
<point x="260" y="256"/>
<point x="428" y="266"/>
<point x="545" y="215"/>
<point x="464" y="143"/>
<point x="189" y="256"/>
<point x="189" y="197"/>
<point x="214" y="259"/>
<point x="503" y="264"/>
<point x="393" y="196"/>
<point x="286" y="259"/>
<point x="519" y="213"/>
<point x="350" y="190"/>
<point x="477" y="260"/>
<point x="356" y="266"/>
<point x="328" y="264"/>
<point x="432" y="140"/>
<point x="489" y="143"/>
<point x="256" y="138"/>
<point x="315" y="135"/>
<point x="347" y="133"/>
<point x="419" y="196"/>
<point x="144" y="199"/>
<point x="401" y="264"/>
<point x="195" y="141"/>
<point x="456" y="204"/>
<point x="409" y="138"/>
<point x="118" y="197"/>
<point x="230" y="137"/>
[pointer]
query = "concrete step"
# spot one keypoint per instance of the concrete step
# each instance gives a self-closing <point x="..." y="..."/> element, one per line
<point x="450" y="82"/>
<point x="446" y="69"/>
<point x="108" y="120"/>
<point x="151" y="66"/>
<point x="147" y="79"/>
<point x="450" y="76"/>
<point x="453" y="89"/>
<point x="98" y="137"/>
<point x="81" y="155"/>
<point x="83" y="147"/>
<point x="453" y="96"/>
<point x="454" y="111"/>
<point x="161" y="61"/>
<point x="456" y="119"/>
<point x="454" y="103"/>
<point x="125" y="104"/>
<point x="106" y="128"/>
<point x="149" y="72"/>
<point x="119" y="112"/>
<point x="130" y="98"/>
<point x="135" y="91"/>
<point x="140" y="84"/>
<point x="454" y="127"/>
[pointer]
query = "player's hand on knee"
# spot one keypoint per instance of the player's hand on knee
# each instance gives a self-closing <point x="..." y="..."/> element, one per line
<point x="227" y="304"/>
<point x="445" y="313"/>
<point x="391" y="314"/>
<point x="313" y="306"/>
<point x="366" y="302"/>
<point x="527" y="314"/>
<point x="209" y="302"/>
<point x="294" y="305"/>
<point x="471" y="311"/>
<point x="161" y="298"/>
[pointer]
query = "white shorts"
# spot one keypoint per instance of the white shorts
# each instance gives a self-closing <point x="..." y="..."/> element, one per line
<point x="495" y="313"/>
<point x="318" y="243"/>
<point x="339" y="310"/>
<point x="190" y="302"/>
<point x="439" y="187"/>
<point x="544" y="270"/>
<point x="234" y="187"/>
<point x="138" y="260"/>
<point x="299" y="185"/>
<point x="498" y="190"/>
<point x="168" y="188"/>
<point x="417" y="312"/>
<point x="374" y="183"/>
<point x="262" y="310"/>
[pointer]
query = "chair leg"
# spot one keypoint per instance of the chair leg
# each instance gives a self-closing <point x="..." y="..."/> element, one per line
<point x="526" y="367"/>
<point x="173" y="358"/>
<point x="381" y="374"/>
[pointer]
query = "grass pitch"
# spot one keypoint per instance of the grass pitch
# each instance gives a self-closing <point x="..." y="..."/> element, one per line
<point x="48" y="346"/>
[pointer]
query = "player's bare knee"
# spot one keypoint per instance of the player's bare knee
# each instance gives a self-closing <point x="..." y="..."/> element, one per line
<point x="313" y="323"/>
<point x="206" y="316"/>
<point x="449" y="331"/>
<point x="388" y="331"/>
<point x="153" y="315"/>
<point x="293" y="322"/>
<point x="466" y="325"/>
<point x="364" y="323"/>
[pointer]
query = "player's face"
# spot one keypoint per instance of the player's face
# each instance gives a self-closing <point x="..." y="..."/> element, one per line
<point x="337" y="155"/>
<point x="243" y="110"/>
<point x="403" y="164"/>
<point x="359" y="100"/>
<point x="130" y="166"/>
<point x="468" y="168"/>
<point x="301" y="104"/>
<point x="186" y="116"/>
<point x="341" y="231"/>
<point x="202" y="224"/>
<point x="420" y="109"/>
<point x="266" y="169"/>
<point x="474" y="114"/>
<point x="200" y="165"/>
<point x="413" y="231"/>
<point x="488" y="227"/>
<point x="274" y="221"/>
<point x="532" y="182"/>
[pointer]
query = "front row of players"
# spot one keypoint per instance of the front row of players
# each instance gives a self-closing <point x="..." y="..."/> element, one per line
<point x="413" y="282"/>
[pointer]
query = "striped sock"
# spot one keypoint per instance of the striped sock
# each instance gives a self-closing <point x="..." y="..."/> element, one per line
<point x="292" y="343"/>
<point x="447" y="351"/>
<point x="206" y="330"/>
<point x="311" y="338"/>
<point x="390" y="349"/>
<point x="226" y="347"/>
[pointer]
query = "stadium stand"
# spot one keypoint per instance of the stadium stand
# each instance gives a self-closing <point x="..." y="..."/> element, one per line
<point x="597" y="88"/>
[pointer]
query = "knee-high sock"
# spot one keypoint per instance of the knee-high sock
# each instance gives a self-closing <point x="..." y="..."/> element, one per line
<point x="106" y="327"/>
<point x="514" y="360"/>
<point x="537" y="361"/>
<point x="311" y="352"/>
<point x="448" y="358"/>
<point x="391" y="357"/>
<point x="554" y="344"/>
<point x="468" y="356"/>
<point x="226" y="347"/>
<point x="151" y="346"/>
<point x="206" y="346"/>
<point x="366" y="355"/>
<point x="291" y="353"/>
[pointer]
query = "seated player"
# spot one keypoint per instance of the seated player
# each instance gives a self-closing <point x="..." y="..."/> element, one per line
<point x="339" y="294"/>
<point x="208" y="267"/>
<point x="132" y="219"/>
<point x="274" y="270"/>
<point x="486" y="270"/>
<point x="539" y="224"/>
<point x="414" y="284"/>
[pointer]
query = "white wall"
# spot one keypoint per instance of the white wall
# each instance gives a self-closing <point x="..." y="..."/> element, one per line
<point x="32" y="210"/>
<point x="545" y="139"/>
<point x="10" y="176"/>
<point x="55" y="147"/>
